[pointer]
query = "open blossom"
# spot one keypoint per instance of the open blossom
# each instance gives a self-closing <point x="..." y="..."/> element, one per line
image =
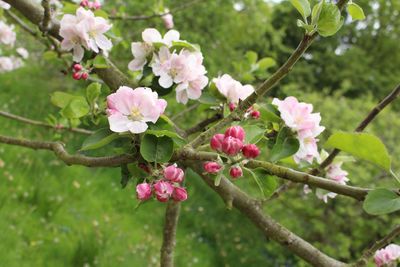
<point x="299" y="118"/>
<point x="7" y="34"/>
<point x="232" y="89"/>
<point x="142" y="50"/>
<point x="84" y="31"/>
<point x="130" y="110"/>
<point x="163" y="190"/>
<point x="4" y="5"/>
<point x="185" y="69"/>
<point x="387" y="255"/>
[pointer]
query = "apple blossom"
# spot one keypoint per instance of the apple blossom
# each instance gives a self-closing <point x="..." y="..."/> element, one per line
<point x="174" y="174"/>
<point x="212" y="167"/>
<point x="163" y="190"/>
<point x="387" y="255"/>
<point x="168" y="20"/>
<point x="6" y="64"/>
<point x="334" y="172"/>
<point x="4" y="5"/>
<point x="179" y="194"/>
<point x="142" y="50"/>
<point x="231" y="145"/>
<point x="130" y="110"/>
<point x="250" y="151"/>
<point x="7" y="34"/>
<point x="236" y="132"/>
<point x="235" y="172"/>
<point x="216" y="142"/>
<point x="232" y="89"/>
<point x="143" y="191"/>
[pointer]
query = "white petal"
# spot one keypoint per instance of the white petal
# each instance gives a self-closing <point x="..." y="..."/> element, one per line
<point x="118" y="123"/>
<point x="151" y="36"/>
<point x="165" y="81"/>
<point x="78" y="53"/>
<point x="171" y="36"/>
<point x="103" y="42"/>
<point x="137" y="64"/>
<point x="137" y="127"/>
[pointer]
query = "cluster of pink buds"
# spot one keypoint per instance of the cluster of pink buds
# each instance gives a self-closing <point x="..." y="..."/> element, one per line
<point x="251" y="112"/>
<point x="167" y="187"/>
<point x="231" y="143"/>
<point x="79" y="72"/>
<point x="90" y="4"/>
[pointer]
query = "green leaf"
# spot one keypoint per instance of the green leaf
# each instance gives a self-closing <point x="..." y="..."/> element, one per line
<point x="69" y="8"/>
<point x="101" y="13"/>
<point x="381" y="201"/>
<point x="156" y="149"/>
<point x="176" y="45"/>
<point x="100" y="62"/>
<point x="303" y="6"/>
<point x="251" y="57"/>
<point x="76" y="108"/>
<point x="355" y="11"/>
<point x="266" y="63"/>
<point x="92" y="92"/>
<point x="160" y="133"/>
<point x="61" y="99"/>
<point x="329" y="20"/>
<point x="286" y="145"/>
<point x="49" y="55"/>
<point x="254" y="133"/>
<point x="125" y="175"/>
<point x="362" y="145"/>
<point x="99" y="139"/>
<point x="270" y="113"/>
<point x="256" y="179"/>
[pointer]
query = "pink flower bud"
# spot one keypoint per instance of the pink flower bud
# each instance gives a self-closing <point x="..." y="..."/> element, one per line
<point x="85" y="75"/>
<point x="180" y="194"/>
<point x="255" y="114"/>
<point x="174" y="174"/>
<point x="236" y="172"/>
<point x="76" y="76"/>
<point x="236" y="132"/>
<point x="231" y="146"/>
<point x="232" y="106"/>
<point x="144" y="167"/>
<point x="251" y="151"/>
<point x="163" y="190"/>
<point x="84" y="3"/>
<point x="96" y="5"/>
<point x="211" y="167"/>
<point x="216" y="142"/>
<point x="77" y="67"/>
<point x="168" y="20"/>
<point x="143" y="191"/>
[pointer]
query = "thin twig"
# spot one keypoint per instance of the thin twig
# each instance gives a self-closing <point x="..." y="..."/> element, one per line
<point x="43" y="124"/>
<point x="169" y="236"/>
<point x="155" y="15"/>
<point x="376" y="246"/>
<point x="204" y="123"/>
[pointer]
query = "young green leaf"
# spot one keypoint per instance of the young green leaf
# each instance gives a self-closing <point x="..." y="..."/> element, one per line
<point x="329" y="19"/>
<point x="92" y="92"/>
<point x="254" y="133"/>
<point x="251" y="57"/>
<point x="303" y="6"/>
<point x="99" y="139"/>
<point x="76" y="108"/>
<point x="355" y="11"/>
<point x="100" y="62"/>
<point x="265" y="63"/>
<point x="61" y="99"/>
<point x="381" y="201"/>
<point x="156" y="149"/>
<point x="286" y="145"/>
<point x="256" y="179"/>
<point x="362" y="145"/>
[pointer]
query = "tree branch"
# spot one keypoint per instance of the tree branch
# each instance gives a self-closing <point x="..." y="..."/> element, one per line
<point x="376" y="246"/>
<point x="169" y="237"/>
<point x="43" y="124"/>
<point x="112" y="76"/>
<point x="59" y="150"/>
<point x="46" y="16"/>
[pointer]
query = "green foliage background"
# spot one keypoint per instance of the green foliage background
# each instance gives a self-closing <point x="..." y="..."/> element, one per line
<point x="55" y="215"/>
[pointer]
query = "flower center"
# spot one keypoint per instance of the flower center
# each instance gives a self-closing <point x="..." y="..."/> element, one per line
<point x="135" y="114"/>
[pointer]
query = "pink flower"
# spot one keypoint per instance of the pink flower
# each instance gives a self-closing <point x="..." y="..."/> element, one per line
<point x="179" y="194"/>
<point x="255" y="114"/>
<point x="174" y="174"/>
<point x="163" y="190"/>
<point x="168" y="20"/>
<point x="212" y="167"/>
<point x="7" y="34"/>
<point x="387" y="255"/>
<point x="84" y="31"/>
<point x="236" y="132"/>
<point x="130" y="110"/>
<point x="232" y="89"/>
<point x="236" y="172"/>
<point x="335" y="172"/>
<point x="308" y="150"/>
<point x="216" y="142"/>
<point x="143" y="191"/>
<point x="231" y="146"/>
<point x="4" y="5"/>
<point x="250" y="151"/>
<point x="141" y="50"/>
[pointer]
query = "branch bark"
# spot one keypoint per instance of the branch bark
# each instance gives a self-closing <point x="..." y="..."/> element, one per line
<point x="169" y="236"/>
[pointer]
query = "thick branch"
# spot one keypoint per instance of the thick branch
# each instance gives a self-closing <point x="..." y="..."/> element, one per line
<point x="43" y="124"/>
<point x="112" y="76"/>
<point x="62" y="154"/>
<point x="169" y="237"/>
<point x="376" y="246"/>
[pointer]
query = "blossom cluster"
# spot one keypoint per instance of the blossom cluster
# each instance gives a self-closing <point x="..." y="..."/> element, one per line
<point x="91" y="4"/>
<point x="231" y="143"/>
<point x="233" y="90"/>
<point x="387" y="256"/>
<point x="131" y="110"/>
<point x="299" y="118"/>
<point x="167" y="187"/>
<point x="79" y="72"/>
<point x="84" y="31"/>
<point x="184" y="68"/>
